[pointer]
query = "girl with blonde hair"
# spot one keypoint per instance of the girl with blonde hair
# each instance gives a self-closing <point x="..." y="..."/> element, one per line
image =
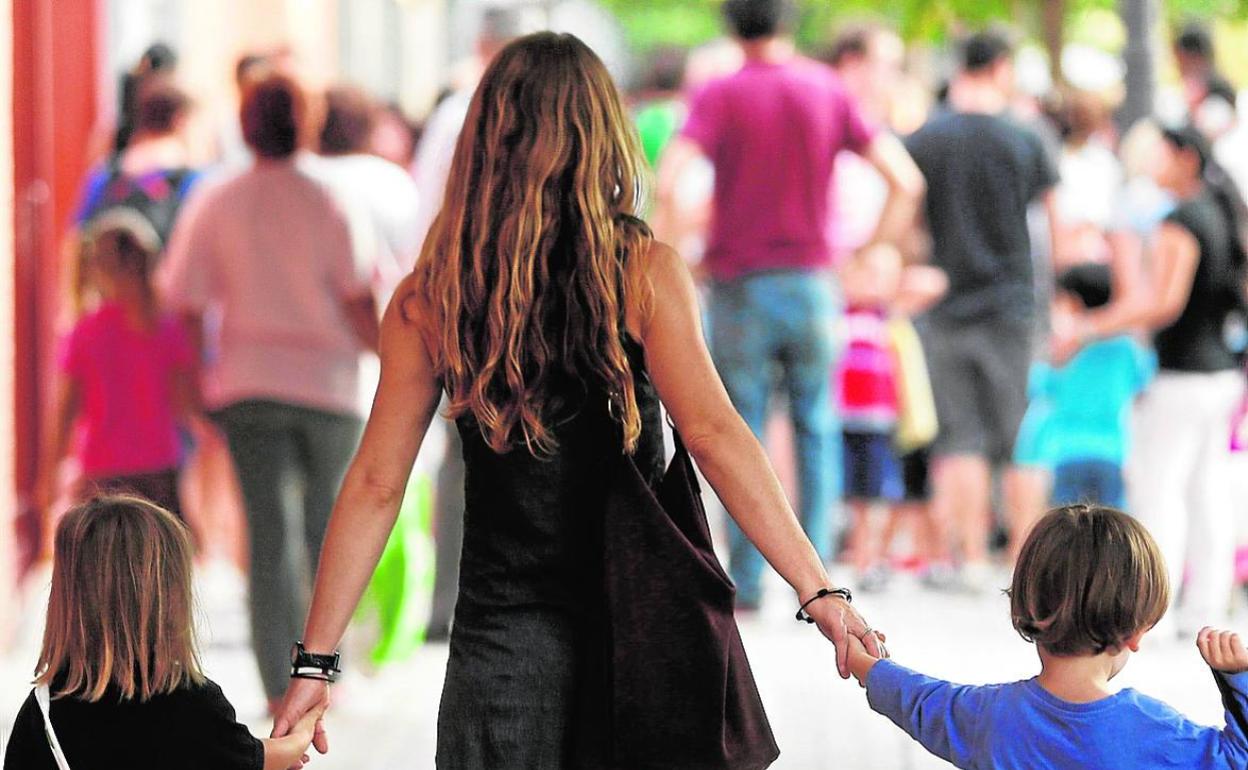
<point x="119" y="681"/>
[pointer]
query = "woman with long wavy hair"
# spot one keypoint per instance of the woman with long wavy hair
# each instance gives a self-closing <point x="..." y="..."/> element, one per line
<point x="554" y="323"/>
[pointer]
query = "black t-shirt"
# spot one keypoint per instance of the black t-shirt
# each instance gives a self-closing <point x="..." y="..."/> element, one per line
<point x="191" y="729"/>
<point x="982" y="171"/>
<point x="1196" y="341"/>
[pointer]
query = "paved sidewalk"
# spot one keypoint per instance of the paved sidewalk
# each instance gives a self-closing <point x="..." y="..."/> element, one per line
<point x="386" y="720"/>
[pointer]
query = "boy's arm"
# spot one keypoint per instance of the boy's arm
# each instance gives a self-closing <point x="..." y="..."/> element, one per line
<point x="860" y="661"/>
<point x="943" y="717"/>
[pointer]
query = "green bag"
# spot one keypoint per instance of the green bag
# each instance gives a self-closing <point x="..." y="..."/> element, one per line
<point x="401" y="589"/>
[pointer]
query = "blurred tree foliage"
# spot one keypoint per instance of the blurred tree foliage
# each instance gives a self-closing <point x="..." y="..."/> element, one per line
<point x="652" y="23"/>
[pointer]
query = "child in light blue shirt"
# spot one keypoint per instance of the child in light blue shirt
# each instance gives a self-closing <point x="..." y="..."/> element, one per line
<point x="1089" y="398"/>
<point x="1090" y="582"/>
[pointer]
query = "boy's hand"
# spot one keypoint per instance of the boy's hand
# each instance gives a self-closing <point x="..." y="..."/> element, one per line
<point x="860" y="660"/>
<point x="1222" y="650"/>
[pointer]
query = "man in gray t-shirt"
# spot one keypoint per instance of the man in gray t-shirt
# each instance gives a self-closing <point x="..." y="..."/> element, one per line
<point x="983" y="171"/>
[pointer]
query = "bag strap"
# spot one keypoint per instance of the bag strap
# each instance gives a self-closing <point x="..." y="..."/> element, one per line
<point x="44" y="698"/>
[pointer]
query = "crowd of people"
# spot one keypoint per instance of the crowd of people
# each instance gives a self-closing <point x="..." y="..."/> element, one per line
<point x="973" y="306"/>
<point x="1055" y="321"/>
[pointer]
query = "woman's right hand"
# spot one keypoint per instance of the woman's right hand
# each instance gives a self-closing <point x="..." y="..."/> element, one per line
<point x="303" y="697"/>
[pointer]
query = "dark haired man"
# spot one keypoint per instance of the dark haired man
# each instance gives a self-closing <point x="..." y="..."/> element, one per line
<point x="1210" y="97"/>
<point x="159" y="60"/>
<point x="153" y="175"/>
<point x="379" y="193"/>
<point x="772" y="132"/>
<point x="869" y="58"/>
<point x="982" y="171"/>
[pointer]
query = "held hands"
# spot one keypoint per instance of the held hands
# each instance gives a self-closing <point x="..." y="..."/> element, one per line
<point x="302" y="708"/>
<point x="309" y="727"/>
<point x="1222" y="650"/>
<point x="860" y="661"/>
<point x="843" y="626"/>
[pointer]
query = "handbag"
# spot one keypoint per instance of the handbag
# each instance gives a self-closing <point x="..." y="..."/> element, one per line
<point x="44" y="698"/>
<point x="916" y="424"/>
<point x="679" y="693"/>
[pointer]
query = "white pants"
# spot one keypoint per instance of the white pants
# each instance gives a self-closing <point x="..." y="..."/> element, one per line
<point x="1180" y="481"/>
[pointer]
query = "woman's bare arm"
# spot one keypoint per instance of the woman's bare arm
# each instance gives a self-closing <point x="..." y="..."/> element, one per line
<point x="368" y="505"/>
<point x="56" y="442"/>
<point x="1175" y="259"/>
<point x="725" y="450"/>
<point x="1129" y="287"/>
<point x="1140" y="301"/>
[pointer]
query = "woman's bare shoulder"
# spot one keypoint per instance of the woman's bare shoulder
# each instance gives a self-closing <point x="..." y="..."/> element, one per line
<point x="409" y="315"/>
<point x="661" y="259"/>
<point x="668" y="273"/>
<point x="667" y="283"/>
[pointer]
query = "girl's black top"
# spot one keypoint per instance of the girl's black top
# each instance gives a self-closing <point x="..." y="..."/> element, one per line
<point x="193" y="728"/>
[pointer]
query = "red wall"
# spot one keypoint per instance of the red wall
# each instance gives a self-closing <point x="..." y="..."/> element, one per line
<point x="55" y="81"/>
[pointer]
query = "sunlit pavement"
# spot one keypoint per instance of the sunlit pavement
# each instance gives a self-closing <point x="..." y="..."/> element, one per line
<point x="387" y="720"/>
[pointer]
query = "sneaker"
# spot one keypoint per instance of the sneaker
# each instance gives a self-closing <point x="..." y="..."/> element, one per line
<point x="980" y="579"/>
<point x="875" y="579"/>
<point x="940" y="577"/>
<point x="438" y="634"/>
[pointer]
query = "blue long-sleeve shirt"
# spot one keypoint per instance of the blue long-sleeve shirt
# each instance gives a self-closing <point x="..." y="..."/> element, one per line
<point x="1021" y="726"/>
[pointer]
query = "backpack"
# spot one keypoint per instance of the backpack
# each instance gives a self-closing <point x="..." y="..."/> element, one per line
<point x="156" y="195"/>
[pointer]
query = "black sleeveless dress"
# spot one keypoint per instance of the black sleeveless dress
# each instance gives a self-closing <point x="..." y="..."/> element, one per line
<point x="530" y="582"/>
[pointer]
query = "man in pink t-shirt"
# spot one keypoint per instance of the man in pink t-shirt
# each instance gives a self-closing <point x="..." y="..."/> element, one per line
<point x="772" y="132"/>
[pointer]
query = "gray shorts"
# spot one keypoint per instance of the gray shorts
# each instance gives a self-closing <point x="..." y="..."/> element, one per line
<point x="979" y="378"/>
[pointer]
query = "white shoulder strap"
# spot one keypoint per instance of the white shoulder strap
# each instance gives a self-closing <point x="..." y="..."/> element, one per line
<point x="44" y="698"/>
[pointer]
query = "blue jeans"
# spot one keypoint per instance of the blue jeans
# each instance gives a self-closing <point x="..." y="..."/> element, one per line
<point x="774" y="329"/>
<point x="1089" y="481"/>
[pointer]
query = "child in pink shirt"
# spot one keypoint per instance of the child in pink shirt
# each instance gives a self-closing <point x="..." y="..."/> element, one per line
<point x="878" y="386"/>
<point x="867" y="382"/>
<point x="127" y="372"/>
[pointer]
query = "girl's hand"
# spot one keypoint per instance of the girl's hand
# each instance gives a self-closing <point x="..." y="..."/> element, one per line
<point x="1222" y="650"/>
<point x="304" y="697"/>
<point x="306" y="729"/>
<point x="288" y="751"/>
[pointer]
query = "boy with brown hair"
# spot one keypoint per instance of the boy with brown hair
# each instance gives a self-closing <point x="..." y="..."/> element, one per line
<point x="1090" y="582"/>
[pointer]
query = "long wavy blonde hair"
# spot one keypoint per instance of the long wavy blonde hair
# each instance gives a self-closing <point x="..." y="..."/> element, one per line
<point x="527" y="267"/>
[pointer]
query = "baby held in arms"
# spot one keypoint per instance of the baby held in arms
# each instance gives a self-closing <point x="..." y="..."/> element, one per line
<point x="1090" y="582"/>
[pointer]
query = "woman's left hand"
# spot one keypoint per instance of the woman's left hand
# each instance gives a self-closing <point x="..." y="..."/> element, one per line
<point x="839" y="621"/>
